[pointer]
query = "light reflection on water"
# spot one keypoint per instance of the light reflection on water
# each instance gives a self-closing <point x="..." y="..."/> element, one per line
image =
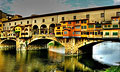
<point x="39" y="61"/>
<point x="107" y="53"/>
<point x="48" y="61"/>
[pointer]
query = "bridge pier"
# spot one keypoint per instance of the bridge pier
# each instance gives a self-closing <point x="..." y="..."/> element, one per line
<point x="20" y="44"/>
<point x="70" y="47"/>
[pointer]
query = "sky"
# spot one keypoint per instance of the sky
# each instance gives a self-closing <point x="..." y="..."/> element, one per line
<point x="29" y="7"/>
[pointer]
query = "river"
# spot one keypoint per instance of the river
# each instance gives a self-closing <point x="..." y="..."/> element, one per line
<point x="104" y="55"/>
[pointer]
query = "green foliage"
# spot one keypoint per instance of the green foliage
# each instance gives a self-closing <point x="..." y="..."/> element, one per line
<point x="113" y="69"/>
<point x="50" y="44"/>
<point x="57" y="44"/>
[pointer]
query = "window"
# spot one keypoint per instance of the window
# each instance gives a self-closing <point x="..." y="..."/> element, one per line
<point x="27" y="22"/>
<point x="105" y="26"/>
<point x="77" y="32"/>
<point x="69" y="22"/>
<point x="85" y="27"/>
<point x="84" y="21"/>
<point x="87" y="16"/>
<point x="106" y="33"/>
<point x="73" y="32"/>
<point x="65" y="32"/>
<point x="115" y="26"/>
<point x="95" y="33"/>
<point x="62" y="18"/>
<point x="91" y="32"/>
<point x="118" y="13"/>
<point x="115" y="33"/>
<point x="113" y="19"/>
<point x="35" y="21"/>
<point x="77" y="22"/>
<point x="21" y="22"/>
<point x="102" y="15"/>
<point x="77" y="27"/>
<point x="15" y="23"/>
<point x="52" y="19"/>
<point x="90" y="26"/>
<point x="74" y="17"/>
<point x="116" y="19"/>
<point x="109" y="26"/>
<point x="101" y="33"/>
<point x="58" y="27"/>
<point x="98" y="25"/>
<point x="3" y="24"/>
<point x="58" y="33"/>
<point x="0" y="25"/>
<point x="43" y="20"/>
<point x="82" y="27"/>
<point x="9" y="23"/>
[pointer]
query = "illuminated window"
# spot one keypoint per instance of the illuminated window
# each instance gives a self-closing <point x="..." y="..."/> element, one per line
<point x="65" y="32"/>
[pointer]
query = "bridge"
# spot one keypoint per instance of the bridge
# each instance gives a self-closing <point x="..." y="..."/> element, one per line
<point x="71" y="45"/>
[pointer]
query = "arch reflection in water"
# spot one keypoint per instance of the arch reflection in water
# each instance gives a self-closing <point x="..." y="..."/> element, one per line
<point x="107" y="53"/>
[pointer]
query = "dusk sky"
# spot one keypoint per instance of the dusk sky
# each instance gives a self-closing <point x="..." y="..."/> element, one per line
<point x="29" y="7"/>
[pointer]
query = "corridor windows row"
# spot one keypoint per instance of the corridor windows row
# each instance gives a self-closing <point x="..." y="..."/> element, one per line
<point x="114" y="33"/>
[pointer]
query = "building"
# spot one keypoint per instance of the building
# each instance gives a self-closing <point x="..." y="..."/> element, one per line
<point x="53" y="23"/>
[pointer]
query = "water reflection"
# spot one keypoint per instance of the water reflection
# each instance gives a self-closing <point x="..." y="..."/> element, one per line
<point x="48" y="61"/>
<point x="39" y="61"/>
<point x="107" y="53"/>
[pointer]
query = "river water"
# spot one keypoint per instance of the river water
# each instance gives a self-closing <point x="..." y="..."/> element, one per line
<point x="104" y="55"/>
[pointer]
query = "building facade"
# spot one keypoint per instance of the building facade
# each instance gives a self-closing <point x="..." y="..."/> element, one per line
<point x="88" y="23"/>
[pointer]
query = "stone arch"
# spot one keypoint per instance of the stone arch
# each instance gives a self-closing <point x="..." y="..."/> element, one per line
<point x="87" y="47"/>
<point x="51" y="28"/>
<point x="43" y="29"/>
<point x="41" y="43"/>
<point x="35" y="30"/>
<point x="8" y="42"/>
<point x="44" y="39"/>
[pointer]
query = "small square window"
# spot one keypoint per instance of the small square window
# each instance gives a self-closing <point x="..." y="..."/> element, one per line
<point x="52" y="19"/>
<point x="27" y="22"/>
<point x="15" y="23"/>
<point x="102" y="15"/>
<point x="77" y="22"/>
<point x="43" y="20"/>
<point x="69" y="22"/>
<point x="63" y="18"/>
<point x="87" y="16"/>
<point x="74" y="17"/>
<point x="35" y="21"/>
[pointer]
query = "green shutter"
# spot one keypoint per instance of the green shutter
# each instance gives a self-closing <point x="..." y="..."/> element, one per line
<point x="115" y="26"/>
<point x="91" y="26"/>
<point x="115" y="33"/>
<point x="106" y="33"/>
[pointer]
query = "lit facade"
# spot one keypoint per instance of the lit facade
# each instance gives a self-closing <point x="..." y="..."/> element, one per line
<point x="83" y="23"/>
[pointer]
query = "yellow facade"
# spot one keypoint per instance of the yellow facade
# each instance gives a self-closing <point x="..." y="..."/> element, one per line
<point x="59" y="31"/>
<point x="18" y="31"/>
<point x="84" y="28"/>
